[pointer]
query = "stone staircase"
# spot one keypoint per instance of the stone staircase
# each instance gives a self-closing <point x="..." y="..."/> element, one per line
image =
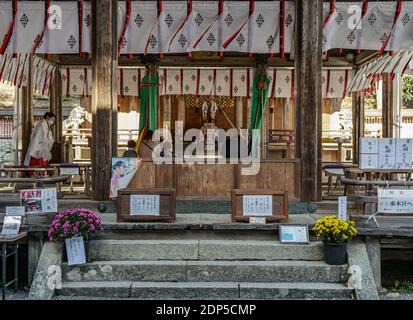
<point x="204" y="269"/>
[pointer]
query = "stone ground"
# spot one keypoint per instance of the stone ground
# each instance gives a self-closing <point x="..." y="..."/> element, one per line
<point x="23" y="295"/>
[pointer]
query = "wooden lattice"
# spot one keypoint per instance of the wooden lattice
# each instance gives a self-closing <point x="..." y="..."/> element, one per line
<point x="192" y="101"/>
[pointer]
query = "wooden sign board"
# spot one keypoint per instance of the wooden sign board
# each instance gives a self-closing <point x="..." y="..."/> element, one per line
<point x="146" y="205"/>
<point x="273" y="205"/>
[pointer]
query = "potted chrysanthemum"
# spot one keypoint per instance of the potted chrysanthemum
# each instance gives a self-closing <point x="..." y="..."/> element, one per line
<point x="335" y="234"/>
<point x="73" y="223"/>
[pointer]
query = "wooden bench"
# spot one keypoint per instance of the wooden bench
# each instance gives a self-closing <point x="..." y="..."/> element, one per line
<point x="38" y="182"/>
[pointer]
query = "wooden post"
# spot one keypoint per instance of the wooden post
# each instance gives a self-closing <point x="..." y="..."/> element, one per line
<point x="114" y="67"/>
<point x="358" y="124"/>
<point x="27" y="110"/>
<point x="308" y="84"/>
<point x="56" y="105"/>
<point x="181" y="110"/>
<point x="166" y="112"/>
<point x="55" y="101"/>
<point x="104" y="96"/>
<point x="287" y="114"/>
<point x="271" y="107"/>
<point x="238" y="113"/>
<point x="387" y="104"/>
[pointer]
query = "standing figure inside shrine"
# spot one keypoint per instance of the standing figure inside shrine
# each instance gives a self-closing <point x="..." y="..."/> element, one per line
<point x="41" y="142"/>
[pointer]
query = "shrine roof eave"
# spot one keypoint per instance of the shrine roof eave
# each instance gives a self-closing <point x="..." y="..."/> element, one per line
<point x="182" y="60"/>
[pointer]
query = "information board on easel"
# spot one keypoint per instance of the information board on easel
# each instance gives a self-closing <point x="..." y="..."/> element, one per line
<point x="247" y="204"/>
<point x="146" y="205"/>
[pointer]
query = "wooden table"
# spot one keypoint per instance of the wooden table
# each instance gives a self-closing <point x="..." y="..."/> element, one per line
<point x="11" y="242"/>
<point x="370" y="174"/>
<point x="86" y="167"/>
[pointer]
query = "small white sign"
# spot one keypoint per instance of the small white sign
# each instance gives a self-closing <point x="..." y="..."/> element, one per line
<point x="387" y="161"/>
<point x="342" y="208"/>
<point x="15" y="211"/>
<point x="144" y="205"/>
<point x="387" y="146"/>
<point x="257" y="220"/>
<point x="404" y="153"/>
<point x="11" y="225"/>
<point x="75" y="249"/>
<point x="369" y="161"/>
<point x="69" y="171"/>
<point x="39" y="200"/>
<point x="397" y="201"/>
<point x="369" y="145"/>
<point x="294" y="233"/>
<point x="260" y="206"/>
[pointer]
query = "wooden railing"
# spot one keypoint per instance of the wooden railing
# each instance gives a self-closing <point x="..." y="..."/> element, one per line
<point x="6" y="128"/>
<point x="124" y="135"/>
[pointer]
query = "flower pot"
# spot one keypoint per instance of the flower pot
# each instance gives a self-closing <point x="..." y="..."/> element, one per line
<point x="335" y="253"/>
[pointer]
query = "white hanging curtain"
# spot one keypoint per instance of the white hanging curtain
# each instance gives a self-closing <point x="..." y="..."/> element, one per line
<point x="370" y="73"/>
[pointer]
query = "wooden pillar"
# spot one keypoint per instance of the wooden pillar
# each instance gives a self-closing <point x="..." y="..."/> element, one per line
<point x="56" y="105"/>
<point x="358" y="124"/>
<point x="308" y="82"/>
<point x="27" y="111"/>
<point x="239" y="117"/>
<point x="55" y="100"/>
<point x="104" y="96"/>
<point x="166" y="112"/>
<point x="387" y="104"/>
<point x="114" y="70"/>
<point x="287" y="114"/>
<point x="271" y="106"/>
<point x="181" y="110"/>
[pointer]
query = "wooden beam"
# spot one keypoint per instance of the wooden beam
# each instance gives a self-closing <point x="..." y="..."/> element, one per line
<point x="308" y="84"/>
<point x="104" y="95"/>
<point x="181" y="60"/>
<point x="27" y="110"/>
<point x="358" y="123"/>
<point x="387" y="107"/>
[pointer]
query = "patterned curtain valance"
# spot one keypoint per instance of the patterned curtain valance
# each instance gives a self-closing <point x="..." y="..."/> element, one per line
<point x="64" y="27"/>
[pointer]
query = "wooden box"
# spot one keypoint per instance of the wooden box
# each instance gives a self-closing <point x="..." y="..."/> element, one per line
<point x="166" y="205"/>
<point x="279" y="205"/>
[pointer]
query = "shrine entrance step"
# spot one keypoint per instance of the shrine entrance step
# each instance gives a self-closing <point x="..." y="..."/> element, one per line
<point x="204" y="269"/>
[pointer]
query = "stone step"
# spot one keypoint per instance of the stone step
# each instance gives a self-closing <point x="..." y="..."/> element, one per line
<point x="107" y="250"/>
<point x="205" y="290"/>
<point x="208" y="271"/>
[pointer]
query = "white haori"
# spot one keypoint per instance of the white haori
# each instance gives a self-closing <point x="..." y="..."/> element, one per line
<point x="41" y="142"/>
